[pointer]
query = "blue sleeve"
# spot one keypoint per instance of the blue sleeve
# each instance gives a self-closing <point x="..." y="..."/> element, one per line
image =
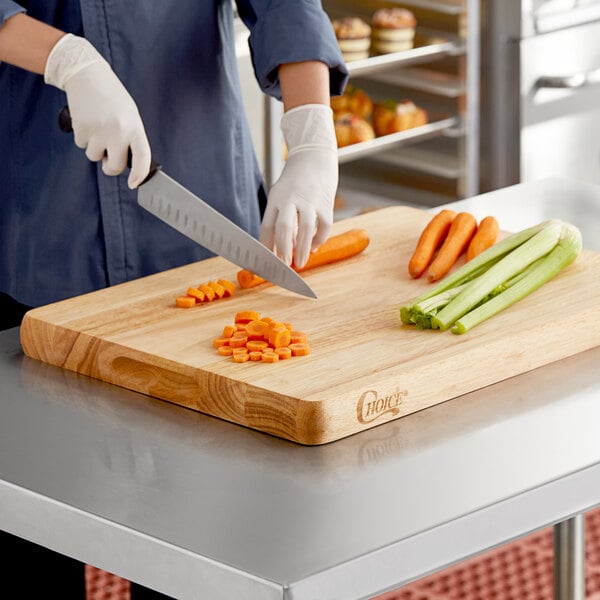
<point x="282" y="32"/>
<point x="8" y="8"/>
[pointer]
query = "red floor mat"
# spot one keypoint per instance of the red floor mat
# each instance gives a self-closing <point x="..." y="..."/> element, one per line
<point x="521" y="570"/>
<point x="100" y="585"/>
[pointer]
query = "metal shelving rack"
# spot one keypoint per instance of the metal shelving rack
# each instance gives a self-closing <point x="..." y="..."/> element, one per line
<point x="412" y="71"/>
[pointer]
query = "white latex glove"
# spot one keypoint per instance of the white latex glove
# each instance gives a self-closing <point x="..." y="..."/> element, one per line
<point x="105" y="118"/>
<point x="299" y="210"/>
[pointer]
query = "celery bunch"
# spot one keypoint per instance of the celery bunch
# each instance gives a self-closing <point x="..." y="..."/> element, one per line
<point x="496" y="279"/>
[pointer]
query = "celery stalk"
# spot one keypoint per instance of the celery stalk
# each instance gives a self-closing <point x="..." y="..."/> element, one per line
<point x="563" y="254"/>
<point x="513" y="263"/>
<point x="421" y="313"/>
<point x="496" y="278"/>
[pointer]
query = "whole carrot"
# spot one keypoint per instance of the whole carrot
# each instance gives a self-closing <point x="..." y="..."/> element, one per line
<point x="429" y="241"/>
<point x="337" y="247"/>
<point x="485" y="236"/>
<point x="461" y="231"/>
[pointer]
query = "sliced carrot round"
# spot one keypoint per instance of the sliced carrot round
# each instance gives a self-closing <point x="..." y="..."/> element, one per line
<point x="238" y="342"/>
<point x="279" y="336"/>
<point x="208" y="292"/>
<point x="269" y="357"/>
<point x="228" y="286"/>
<point x="299" y="349"/>
<point x="284" y="352"/>
<point x="241" y="357"/>
<point x="225" y="350"/>
<point x="245" y="316"/>
<point x="218" y="342"/>
<point x="256" y="355"/>
<point x="258" y="345"/>
<point x="228" y="331"/>
<point x="196" y="293"/>
<point x="185" y="301"/>
<point x="297" y="337"/>
<point x="217" y="287"/>
<point x="256" y="329"/>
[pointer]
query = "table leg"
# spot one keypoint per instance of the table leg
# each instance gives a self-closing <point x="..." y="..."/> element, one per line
<point x="569" y="559"/>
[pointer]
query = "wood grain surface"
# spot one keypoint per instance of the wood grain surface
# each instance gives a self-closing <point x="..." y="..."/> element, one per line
<point x="365" y="367"/>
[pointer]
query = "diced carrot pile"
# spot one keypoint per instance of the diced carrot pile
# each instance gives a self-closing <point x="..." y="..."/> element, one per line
<point x="206" y="292"/>
<point x="260" y="339"/>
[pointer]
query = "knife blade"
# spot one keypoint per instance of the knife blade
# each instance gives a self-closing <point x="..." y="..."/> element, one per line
<point x="179" y="208"/>
<point x="172" y="203"/>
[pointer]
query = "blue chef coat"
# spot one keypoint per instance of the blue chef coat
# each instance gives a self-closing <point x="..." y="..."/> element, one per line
<point x="65" y="227"/>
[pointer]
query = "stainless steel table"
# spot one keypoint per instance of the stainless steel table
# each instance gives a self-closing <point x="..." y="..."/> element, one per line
<point x="199" y="508"/>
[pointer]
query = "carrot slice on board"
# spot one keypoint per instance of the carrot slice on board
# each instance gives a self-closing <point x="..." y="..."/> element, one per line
<point x="217" y="287"/>
<point x="238" y="342"/>
<point x="196" y="293"/>
<point x="279" y="336"/>
<point x="208" y="291"/>
<point x="297" y="337"/>
<point x="269" y="357"/>
<point x="299" y="349"/>
<point x="228" y="331"/>
<point x="185" y="301"/>
<point x="228" y="286"/>
<point x="240" y="357"/>
<point x="245" y="316"/>
<point x="256" y="329"/>
<point x="256" y="345"/>
<point x="283" y="352"/>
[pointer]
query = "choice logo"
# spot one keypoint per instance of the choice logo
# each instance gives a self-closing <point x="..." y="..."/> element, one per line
<point x="371" y="406"/>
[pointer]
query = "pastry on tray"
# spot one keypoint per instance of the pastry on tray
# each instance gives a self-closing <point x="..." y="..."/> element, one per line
<point x="351" y="129"/>
<point x="354" y="100"/>
<point x="392" y="116"/>
<point x="353" y="37"/>
<point x="393" y="30"/>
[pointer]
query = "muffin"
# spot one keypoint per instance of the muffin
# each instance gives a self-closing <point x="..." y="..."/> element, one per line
<point x="391" y="117"/>
<point x="353" y="37"/>
<point x="350" y="129"/>
<point x="393" y="30"/>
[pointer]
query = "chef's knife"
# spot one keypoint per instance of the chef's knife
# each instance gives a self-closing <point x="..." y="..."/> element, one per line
<point x="168" y="200"/>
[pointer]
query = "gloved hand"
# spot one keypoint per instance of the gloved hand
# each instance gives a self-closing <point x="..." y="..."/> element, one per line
<point x="105" y="118"/>
<point x="299" y="211"/>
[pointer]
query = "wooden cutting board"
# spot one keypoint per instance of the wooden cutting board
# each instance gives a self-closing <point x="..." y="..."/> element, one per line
<point x="365" y="367"/>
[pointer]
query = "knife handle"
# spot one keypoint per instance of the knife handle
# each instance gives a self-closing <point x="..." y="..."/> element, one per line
<point x="65" y="124"/>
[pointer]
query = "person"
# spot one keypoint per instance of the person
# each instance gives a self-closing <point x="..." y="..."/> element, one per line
<point x="160" y="79"/>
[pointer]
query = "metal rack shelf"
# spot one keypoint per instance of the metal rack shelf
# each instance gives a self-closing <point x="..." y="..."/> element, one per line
<point x="424" y="80"/>
<point x="445" y="7"/>
<point x="448" y="7"/>
<point x="438" y="164"/>
<point x="420" y="54"/>
<point x="363" y="149"/>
